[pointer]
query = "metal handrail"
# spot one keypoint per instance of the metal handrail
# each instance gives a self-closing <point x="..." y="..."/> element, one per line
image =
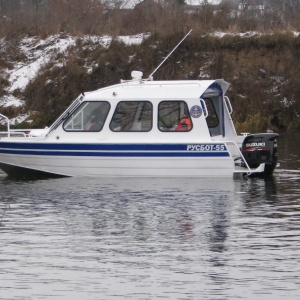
<point x="204" y="108"/>
<point x="10" y="133"/>
<point x="8" y="124"/>
<point x="241" y="155"/>
<point x="228" y="104"/>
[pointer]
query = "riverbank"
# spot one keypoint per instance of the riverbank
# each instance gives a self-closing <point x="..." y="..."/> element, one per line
<point x="262" y="70"/>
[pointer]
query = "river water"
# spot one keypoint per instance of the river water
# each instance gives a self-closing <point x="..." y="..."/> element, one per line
<point x="233" y="238"/>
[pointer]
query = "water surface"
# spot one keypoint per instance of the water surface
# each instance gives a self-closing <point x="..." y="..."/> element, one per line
<point x="179" y="238"/>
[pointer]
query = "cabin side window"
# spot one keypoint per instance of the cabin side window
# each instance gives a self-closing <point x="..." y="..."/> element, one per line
<point x="88" y="117"/>
<point x="214" y="113"/>
<point x="174" y="116"/>
<point x="132" y="116"/>
<point x="212" y="118"/>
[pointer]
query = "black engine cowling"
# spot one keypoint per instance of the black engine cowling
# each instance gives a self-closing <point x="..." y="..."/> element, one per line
<point x="261" y="148"/>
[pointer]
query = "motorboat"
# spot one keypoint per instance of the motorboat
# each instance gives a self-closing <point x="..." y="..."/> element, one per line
<point x="141" y="127"/>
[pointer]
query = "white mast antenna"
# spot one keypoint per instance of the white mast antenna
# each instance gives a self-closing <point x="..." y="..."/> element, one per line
<point x="151" y="75"/>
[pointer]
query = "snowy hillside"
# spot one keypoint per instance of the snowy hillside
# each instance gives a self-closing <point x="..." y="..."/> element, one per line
<point x="47" y="74"/>
<point x="38" y="52"/>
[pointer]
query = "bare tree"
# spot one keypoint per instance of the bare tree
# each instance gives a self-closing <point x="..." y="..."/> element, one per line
<point x="36" y="4"/>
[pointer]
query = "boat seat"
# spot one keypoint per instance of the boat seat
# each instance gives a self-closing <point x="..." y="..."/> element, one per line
<point x="136" y="126"/>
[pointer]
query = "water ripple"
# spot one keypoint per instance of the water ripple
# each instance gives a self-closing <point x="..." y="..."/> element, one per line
<point x="146" y="239"/>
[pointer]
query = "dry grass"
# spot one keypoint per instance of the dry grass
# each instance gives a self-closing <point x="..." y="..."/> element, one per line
<point x="79" y="17"/>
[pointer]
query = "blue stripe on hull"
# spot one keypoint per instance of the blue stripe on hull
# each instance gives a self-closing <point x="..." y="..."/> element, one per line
<point x="100" y="147"/>
<point x="115" y="150"/>
<point x="118" y="154"/>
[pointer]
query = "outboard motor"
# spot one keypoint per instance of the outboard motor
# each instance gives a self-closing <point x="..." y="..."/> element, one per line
<point x="261" y="148"/>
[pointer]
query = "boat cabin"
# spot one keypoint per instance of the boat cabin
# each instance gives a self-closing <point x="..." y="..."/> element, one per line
<point x="148" y="110"/>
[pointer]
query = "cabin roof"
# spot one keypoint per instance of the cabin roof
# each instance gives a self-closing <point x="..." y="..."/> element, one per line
<point x="140" y="89"/>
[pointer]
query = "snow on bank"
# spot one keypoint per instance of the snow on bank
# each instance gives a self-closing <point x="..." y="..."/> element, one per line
<point x="19" y="119"/>
<point x="220" y="34"/>
<point x="10" y="100"/>
<point x="39" y="52"/>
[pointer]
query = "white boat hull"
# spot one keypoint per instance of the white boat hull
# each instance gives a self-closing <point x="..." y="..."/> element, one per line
<point x="167" y="160"/>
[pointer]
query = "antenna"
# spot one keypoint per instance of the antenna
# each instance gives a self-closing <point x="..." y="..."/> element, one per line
<point x="151" y="75"/>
